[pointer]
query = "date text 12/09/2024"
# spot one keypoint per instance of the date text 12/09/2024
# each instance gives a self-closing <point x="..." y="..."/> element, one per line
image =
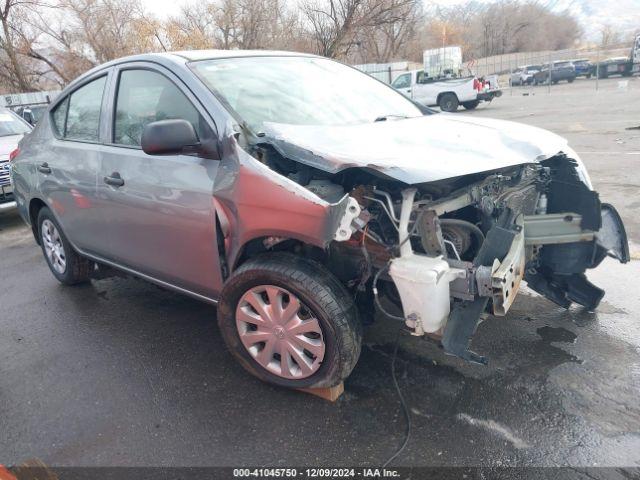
<point x="315" y="473"/>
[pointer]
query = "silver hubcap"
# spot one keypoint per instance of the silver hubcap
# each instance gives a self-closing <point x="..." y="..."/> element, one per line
<point x="280" y="332"/>
<point x="53" y="247"/>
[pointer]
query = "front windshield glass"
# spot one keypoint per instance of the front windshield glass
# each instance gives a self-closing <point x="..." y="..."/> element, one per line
<point x="300" y="91"/>
<point x="10" y="125"/>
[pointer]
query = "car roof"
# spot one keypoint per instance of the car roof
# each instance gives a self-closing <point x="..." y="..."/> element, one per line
<point x="183" y="57"/>
<point x="196" y="55"/>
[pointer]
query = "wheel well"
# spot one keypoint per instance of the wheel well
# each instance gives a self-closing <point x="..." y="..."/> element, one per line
<point x="34" y="209"/>
<point x="440" y="95"/>
<point x="261" y="245"/>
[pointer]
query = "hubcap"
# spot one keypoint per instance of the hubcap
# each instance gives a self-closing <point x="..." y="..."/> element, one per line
<point x="280" y="332"/>
<point x="53" y="247"/>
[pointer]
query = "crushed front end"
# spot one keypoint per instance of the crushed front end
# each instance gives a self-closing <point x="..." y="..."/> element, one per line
<point x="449" y="251"/>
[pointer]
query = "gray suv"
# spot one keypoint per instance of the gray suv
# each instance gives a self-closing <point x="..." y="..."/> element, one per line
<point x="301" y="196"/>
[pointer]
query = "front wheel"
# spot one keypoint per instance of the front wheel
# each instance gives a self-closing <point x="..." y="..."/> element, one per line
<point x="471" y="105"/>
<point x="69" y="267"/>
<point x="448" y="102"/>
<point x="290" y="322"/>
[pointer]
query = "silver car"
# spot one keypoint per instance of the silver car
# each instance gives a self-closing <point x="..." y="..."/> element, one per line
<point x="12" y="129"/>
<point x="294" y="192"/>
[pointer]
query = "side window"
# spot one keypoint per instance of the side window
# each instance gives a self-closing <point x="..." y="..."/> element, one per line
<point x="59" y="116"/>
<point x="145" y="96"/>
<point x="403" y="81"/>
<point x="83" y="116"/>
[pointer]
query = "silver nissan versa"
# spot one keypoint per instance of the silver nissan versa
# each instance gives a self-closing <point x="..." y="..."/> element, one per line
<point x="295" y="192"/>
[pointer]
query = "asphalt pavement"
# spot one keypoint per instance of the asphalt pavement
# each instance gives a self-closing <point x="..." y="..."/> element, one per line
<point x="123" y="373"/>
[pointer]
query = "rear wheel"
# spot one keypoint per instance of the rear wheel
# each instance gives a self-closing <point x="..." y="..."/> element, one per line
<point x="471" y="105"/>
<point x="571" y="79"/>
<point x="290" y="322"/>
<point x="448" y="102"/>
<point x="65" y="263"/>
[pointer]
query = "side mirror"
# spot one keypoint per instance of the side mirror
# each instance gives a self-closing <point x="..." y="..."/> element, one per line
<point x="170" y="137"/>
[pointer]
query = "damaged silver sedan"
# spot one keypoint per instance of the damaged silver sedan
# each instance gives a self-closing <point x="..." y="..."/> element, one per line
<point x="298" y="194"/>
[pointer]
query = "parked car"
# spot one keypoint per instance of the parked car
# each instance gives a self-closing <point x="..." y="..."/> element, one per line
<point x="448" y="94"/>
<point x="12" y="129"/>
<point x="523" y="75"/>
<point x="561" y="70"/>
<point x="614" y="66"/>
<point x="584" y="68"/>
<point x="294" y="191"/>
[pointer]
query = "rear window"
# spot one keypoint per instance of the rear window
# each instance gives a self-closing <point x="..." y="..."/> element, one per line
<point x="77" y="117"/>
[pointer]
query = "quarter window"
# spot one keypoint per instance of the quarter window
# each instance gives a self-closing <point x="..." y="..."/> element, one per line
<point x="83" y="116"/>
<point x="145" y="96"/>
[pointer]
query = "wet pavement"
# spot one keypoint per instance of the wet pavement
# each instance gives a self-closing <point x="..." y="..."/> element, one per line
<point x="121" y="372"/>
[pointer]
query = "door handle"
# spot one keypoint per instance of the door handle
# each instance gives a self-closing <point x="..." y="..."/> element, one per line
<point x="115" y="180"/>
<point x="44" y="168"/>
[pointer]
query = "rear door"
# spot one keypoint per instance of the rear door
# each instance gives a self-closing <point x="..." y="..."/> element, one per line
<point x="68" y="163"/>
<point x="425" y="91"/>
<point x="159" y="209"/>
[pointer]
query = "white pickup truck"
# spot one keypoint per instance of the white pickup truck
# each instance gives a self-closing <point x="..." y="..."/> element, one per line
<point x="446" y="93"/>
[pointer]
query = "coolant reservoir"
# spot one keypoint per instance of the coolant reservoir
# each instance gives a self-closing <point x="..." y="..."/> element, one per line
<point x="423" y="284"/>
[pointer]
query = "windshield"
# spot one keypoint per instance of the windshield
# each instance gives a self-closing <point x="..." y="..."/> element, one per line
<point x="11" y="125"/>
<point x="300" y="91"/>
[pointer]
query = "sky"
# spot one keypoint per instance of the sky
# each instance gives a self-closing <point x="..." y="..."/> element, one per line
<point x="592" y="14"/>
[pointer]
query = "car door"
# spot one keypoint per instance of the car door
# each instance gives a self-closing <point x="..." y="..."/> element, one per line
<point x="425" y="91"/>
<point x="159" y="209"/>
<point x="68" y="162"/>
<point x="403" y="84"/>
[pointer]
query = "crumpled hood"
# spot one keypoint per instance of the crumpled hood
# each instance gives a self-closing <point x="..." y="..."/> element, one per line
<point x="417" y="150"/>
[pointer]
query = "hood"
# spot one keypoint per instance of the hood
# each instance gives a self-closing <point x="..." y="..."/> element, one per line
<point x="8" y="144"/>
<point x="417" y="150"/>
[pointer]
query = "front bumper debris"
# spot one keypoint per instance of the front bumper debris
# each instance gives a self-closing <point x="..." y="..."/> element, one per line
<point x="550" y="251"/>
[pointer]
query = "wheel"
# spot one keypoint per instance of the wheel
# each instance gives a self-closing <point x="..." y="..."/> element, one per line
<point x="65" y="263"/>
<point x="571" y="79"/>
<point x="588" y="75"/>
<point x="555" y="82"/>
<point x="290" y="322"/>
<point x="448" y="102"/>
<point x="471" y="105"/>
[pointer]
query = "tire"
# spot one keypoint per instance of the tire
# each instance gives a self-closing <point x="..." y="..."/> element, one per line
<point x="65" y="263"/>
<point x="471" y="105"/>
<point x="571" y="79"/>
<point x="588" y="75"/>
<point x="324" y="303"/>
<point x="448" y="102"/>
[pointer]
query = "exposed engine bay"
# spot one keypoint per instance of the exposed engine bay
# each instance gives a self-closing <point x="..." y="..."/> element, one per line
<point x="445" y="252"/>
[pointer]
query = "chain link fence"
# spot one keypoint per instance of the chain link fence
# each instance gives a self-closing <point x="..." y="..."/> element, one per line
<point x="504" y="65"/>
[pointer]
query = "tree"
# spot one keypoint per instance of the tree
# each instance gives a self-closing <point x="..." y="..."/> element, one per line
<point x="336" y="26"/>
